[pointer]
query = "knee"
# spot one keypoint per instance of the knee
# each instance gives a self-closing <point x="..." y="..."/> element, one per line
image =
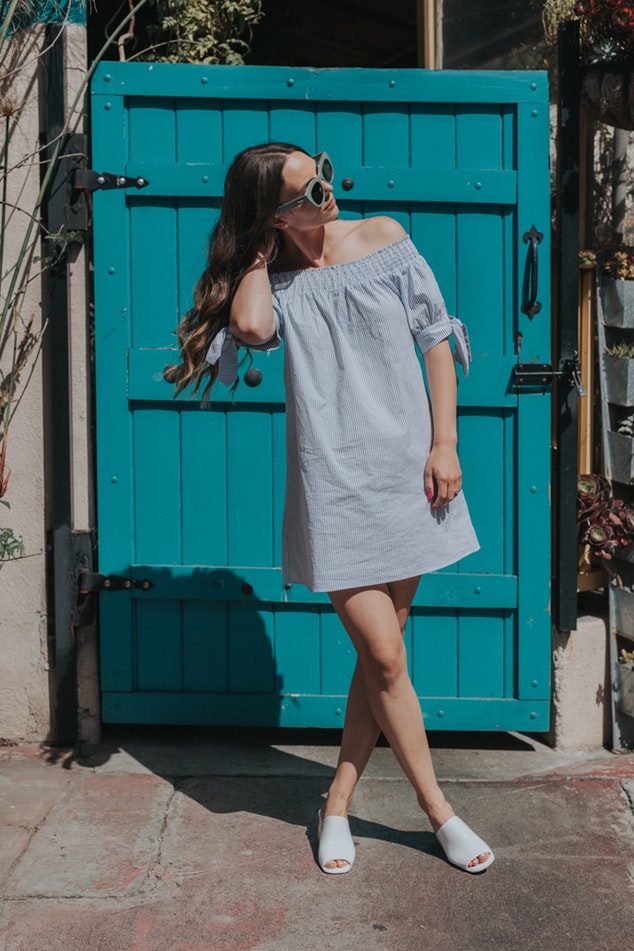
<point x="387" y="666"/>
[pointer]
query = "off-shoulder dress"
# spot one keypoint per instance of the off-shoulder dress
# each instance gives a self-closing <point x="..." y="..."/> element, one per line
<point x="358" y="422"/>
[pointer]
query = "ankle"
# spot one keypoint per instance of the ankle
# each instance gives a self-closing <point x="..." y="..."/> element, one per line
<point x="336" y="804"/>
<point x="438" y="811"/>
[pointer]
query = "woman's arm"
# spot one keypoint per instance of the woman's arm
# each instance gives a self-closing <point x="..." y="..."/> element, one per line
<point x="443" y="477"/>
<point x="251" y="317"/>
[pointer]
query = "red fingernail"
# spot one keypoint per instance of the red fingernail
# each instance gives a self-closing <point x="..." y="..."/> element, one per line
<point x="429" y="494"/>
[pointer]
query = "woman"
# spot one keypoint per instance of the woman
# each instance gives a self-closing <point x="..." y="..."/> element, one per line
<point x="373" y="479"/>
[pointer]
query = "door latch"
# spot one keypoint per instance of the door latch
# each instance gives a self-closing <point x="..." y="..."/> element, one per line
<point x="543" y="374"/>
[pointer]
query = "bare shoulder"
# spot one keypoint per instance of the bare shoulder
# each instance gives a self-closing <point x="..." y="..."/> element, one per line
<point x="357" y="239"/>
<point x="376" y="233"/>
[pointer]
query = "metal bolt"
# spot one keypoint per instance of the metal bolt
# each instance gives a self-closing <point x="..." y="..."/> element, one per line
<point x="107" y="78"/>
<point x="111" y="270"/>
<point x="478" y="589"/>
<point x="441" y="713"/>
<point x="107" y="583"/>
<point x="107" y="106"/>
<point x="204" y="80"/>
<point x="392" y="83"/>
<point x="478" y="186"/>
<point x="290" y="81"/>
<point x="534" y="113"/>
<point x="533" y="489"/>
<point x="205" y="179"/>
<point x="101" y="180"/>
<point x="391" y="183"/>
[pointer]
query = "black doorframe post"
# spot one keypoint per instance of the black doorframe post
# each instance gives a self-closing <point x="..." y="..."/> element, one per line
<point x="61" y="566"/>
<point x="566" y="394"/>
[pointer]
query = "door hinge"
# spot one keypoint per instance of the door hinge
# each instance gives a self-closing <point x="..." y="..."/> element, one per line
<point x="89" y="180"/>
<point x="92" y="582"/>
<point x="543" y="374"/>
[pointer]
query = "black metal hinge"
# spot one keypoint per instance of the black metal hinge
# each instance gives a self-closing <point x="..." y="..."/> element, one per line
<point x="89" y="180"/>
<point x="92" y="582"/>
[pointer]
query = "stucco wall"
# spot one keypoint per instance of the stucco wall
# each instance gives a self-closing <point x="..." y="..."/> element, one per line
<point x="26" y="681"/>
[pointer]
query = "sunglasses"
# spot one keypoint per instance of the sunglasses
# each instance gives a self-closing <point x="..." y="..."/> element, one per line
<point x="315" y="192"/>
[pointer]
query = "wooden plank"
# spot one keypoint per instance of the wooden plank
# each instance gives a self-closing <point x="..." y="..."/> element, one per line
<point x="488" y="384"/>
<point x="300" y="83"/>
<point x="114" y="437"/>
<point x="205" y="646"/>
<point x="251" y="651"/>
<point x="249" y="487"/>
<point x="154" y="284"/>
<point x="157" y="492"/>
<point x="484" y="483"/>
<point x="203" y="499"/>
<point x="158" y="646"/>
<point x="444" y="589"/>
<point x="435" y="653"/>
<point x="534" y="416"/>
<point x="152" y="120"/>
<point x="297" y="650"/>
<point x="442" y="713"/>
<point x="387" y="182"/>
<point x="481" y="659"/>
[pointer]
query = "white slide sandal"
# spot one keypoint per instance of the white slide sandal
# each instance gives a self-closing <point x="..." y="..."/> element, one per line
<point x="335" y="842"/>
<point x="462" y="845"/>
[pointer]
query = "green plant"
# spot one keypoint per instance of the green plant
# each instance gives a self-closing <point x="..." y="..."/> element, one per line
<point x="606" y="27"/>
<point x="626" y="426"/>
<point x="619" y="264"/>
<point x="622" y="349"/>
<point x="202" y="31"/>
<point x="604" y="524"/>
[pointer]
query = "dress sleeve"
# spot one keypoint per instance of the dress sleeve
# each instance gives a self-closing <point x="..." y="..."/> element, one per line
<point x="427" y="315"/>
<point x="224" y="351"/>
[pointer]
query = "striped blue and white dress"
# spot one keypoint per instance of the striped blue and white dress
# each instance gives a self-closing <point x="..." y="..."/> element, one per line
<point x="358" y="423"/>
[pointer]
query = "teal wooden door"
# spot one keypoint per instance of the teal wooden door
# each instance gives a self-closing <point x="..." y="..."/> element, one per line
<point x="191" y="498"/>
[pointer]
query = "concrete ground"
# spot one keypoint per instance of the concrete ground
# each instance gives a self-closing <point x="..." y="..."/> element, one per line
<point x="203" y="840"/>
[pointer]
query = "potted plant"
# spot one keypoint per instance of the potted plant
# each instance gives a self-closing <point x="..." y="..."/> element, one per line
<point x="605" y="525"/>
<point x="618" y="361"/>
<point x="606" y="34"/>
<point x="617" y="288"/>
<point x="625" y="691"/>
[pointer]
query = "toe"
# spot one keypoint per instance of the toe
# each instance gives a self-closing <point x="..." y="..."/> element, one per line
<point x="479" y="859"/>
<point x="336" y="863"/>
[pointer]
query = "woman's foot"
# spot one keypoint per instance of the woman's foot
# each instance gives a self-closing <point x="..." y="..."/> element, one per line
<point x="460" y="843"/>
<point x="438" y="817"/>
<point x="335" y="849"/>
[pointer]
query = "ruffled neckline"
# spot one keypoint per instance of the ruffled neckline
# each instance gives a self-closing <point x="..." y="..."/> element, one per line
<point x="375" y="264"/>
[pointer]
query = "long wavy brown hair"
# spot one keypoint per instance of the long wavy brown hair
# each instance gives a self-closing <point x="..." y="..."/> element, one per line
<point x="245" y="227"/>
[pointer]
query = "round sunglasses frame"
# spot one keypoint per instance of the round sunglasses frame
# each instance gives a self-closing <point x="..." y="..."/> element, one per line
<point x="320" y="160"/>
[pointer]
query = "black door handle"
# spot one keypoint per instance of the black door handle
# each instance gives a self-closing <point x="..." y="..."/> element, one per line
<point x="530" y="304"/>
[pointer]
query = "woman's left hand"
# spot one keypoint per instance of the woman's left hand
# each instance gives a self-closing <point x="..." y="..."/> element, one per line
<point x="443" y="476"/>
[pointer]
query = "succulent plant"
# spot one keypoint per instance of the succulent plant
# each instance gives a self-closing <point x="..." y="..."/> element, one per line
<point x="604" y="523"/>
<point x="626" y="426"/>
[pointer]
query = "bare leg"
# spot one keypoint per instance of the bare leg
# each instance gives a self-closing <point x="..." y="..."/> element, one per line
<point x="370" y="618"/>
<point x="360" y="729"/>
